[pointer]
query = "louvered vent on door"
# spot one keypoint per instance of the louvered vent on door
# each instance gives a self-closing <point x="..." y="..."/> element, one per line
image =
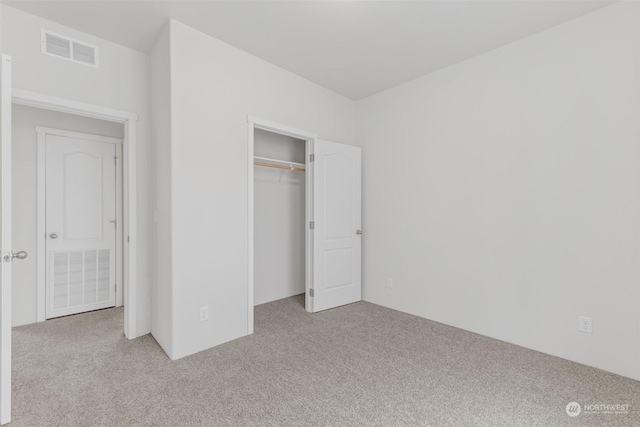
<point x="80" y="278"/>
<point x="70" y="49"/>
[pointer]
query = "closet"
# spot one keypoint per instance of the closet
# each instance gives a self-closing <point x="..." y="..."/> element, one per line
<point x="305" y="222"/>
<point x="279" y="216"/>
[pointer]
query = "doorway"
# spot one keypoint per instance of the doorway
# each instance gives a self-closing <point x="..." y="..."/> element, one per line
<point x="331" y="174"/>
<point x="79" y="235"/>
<point x="279" y="216"/>
<point x="129" y="183"/>
<point x="292" y="146"/>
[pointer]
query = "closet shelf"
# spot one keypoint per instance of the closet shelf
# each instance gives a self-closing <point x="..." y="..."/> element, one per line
<point x="278" y="164"/>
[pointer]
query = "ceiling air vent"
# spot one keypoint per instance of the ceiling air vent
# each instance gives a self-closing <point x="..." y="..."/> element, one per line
<point x="70" y="49"/>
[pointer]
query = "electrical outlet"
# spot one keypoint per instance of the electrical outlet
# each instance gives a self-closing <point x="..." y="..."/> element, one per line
<point x="389" y="283"/>
<point x="585" y="324"/>
<point x="204" y="313"/>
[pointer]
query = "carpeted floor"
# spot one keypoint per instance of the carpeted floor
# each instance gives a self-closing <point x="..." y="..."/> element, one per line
<point x="356" y="365"/>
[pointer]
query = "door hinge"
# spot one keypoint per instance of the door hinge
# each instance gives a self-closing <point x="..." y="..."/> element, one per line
<point x="115" y="287"/>
<point x="128" y="239"/>
<point x="311" y="293"/>
<point x="312" y="158"/>
<point x="312" y="225"/>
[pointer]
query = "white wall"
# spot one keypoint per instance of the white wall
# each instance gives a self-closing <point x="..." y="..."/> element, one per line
<point x="501" y="194"/>
<point x="214" y="87"/>
<point x="121" y="82"/>
<point x="161" y="305"/>
<point x="25" y="188"/>
<point x="279" y="220"/>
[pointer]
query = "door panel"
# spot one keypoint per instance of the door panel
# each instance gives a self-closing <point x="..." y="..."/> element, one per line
<point x="82" y="210"/>
<point x="81" y="225"/>
<point x="337" y="221"/>
<point x="5" y="240"/>
<point x="338" y="196"/>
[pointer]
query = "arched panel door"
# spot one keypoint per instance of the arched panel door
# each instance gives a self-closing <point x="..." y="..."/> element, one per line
<point x="80" y="225"/>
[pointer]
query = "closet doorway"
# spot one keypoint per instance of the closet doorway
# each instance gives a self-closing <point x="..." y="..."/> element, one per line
<point x="279" y="216"/>
<point x="304" y="218"/>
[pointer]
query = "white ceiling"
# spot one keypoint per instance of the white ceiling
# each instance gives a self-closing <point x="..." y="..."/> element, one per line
<point x="355" y="48"/>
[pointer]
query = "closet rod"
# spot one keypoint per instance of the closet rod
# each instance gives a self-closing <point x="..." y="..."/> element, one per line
<point x="272" y="165"/>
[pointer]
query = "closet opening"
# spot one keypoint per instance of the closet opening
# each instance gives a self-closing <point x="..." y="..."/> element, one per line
<point x="304" y="222"/>
<point x="279" y="214"/>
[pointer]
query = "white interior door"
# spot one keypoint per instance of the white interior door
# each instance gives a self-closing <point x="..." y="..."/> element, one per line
<point x="337" y="245"/>
<point x="81" y="225"/>
<point x="5" y="240"/>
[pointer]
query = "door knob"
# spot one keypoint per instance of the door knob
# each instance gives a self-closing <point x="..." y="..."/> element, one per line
<point x="53" y="235"/>
<point x="9" y="256"/>
<point x="358" y="232"/>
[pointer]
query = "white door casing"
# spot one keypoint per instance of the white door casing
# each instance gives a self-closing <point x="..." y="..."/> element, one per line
<point x="129" y="192"/>
<point x="254" y="123"/>
<point x="337" y="243"/>
<point x="81" y="223"/>
<point x="5" y="240"/>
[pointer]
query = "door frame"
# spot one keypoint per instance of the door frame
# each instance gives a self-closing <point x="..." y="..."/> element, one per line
<point x="41" y="288"/>
<point x="254" y="123"/>
<point x="129" y="187"/>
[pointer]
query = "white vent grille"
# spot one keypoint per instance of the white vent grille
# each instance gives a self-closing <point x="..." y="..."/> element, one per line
<point x="58" y="46"/>
<point x="70" y="49"/>
<point x="84" y="53"/>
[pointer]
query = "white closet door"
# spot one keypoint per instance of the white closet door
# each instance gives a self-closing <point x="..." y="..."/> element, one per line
<point x="337" y="248"/>
<point x="80" y="224"/>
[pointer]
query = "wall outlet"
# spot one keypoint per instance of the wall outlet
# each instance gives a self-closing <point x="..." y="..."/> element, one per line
<point x="389" y="283"/>
<point x="585" y="324"/>
<point x="204" y="313"/>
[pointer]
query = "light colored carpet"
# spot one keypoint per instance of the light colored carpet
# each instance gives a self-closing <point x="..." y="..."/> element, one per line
<point x="356" y="365"/>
